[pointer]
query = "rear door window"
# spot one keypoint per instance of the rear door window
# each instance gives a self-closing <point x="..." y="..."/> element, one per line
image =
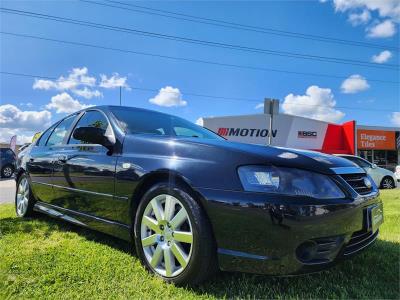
<point x="43" y="138"/>
<point x="59" y="133"/>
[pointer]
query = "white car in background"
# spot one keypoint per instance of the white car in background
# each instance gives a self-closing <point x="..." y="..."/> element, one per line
<point x="383" y="178"/>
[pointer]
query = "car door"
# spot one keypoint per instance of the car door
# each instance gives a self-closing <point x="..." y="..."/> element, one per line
<point x="43" y="158"/>
<point x="84" y="174"/>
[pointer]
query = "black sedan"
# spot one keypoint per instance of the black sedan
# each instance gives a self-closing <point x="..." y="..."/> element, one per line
<point x="192" y="202"/>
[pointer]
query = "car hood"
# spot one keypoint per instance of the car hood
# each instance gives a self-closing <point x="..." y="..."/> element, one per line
<point x="241" y="153"/>
<point x="281" y="156"/>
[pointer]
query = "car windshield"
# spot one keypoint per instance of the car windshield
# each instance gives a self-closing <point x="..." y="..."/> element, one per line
<point x="136" y="121"/>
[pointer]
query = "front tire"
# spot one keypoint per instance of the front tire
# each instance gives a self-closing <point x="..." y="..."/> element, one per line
<point x="7" y="171"/>
<point x="173" y="237"/>
<point x="24" y="201"/>
<point x="388" y="183"/>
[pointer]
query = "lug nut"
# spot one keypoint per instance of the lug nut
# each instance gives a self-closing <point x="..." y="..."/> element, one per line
<point x="161" y="238"/>
<point x="162" y="227"/>
<point x="169" y="243"/>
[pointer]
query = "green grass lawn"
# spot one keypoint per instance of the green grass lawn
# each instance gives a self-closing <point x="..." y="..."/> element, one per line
<point x="45" y="258"/>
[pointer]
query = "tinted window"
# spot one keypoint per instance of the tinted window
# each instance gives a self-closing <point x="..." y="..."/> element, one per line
<point x="135" y="121"/>
<point x="43" y="138"/>
<point x="361" y="163"/>
<point x="58" y="134"/>
<point x="90" y="119"/>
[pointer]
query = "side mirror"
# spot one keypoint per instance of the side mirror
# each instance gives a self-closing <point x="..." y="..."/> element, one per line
<point x="374" y="166"/>
<point x="93" y="135"/>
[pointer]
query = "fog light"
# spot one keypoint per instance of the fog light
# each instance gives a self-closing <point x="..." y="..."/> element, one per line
<point x="306" y="251"/>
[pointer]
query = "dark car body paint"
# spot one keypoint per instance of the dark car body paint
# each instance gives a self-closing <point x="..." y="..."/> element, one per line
<point x="254" y="232"/>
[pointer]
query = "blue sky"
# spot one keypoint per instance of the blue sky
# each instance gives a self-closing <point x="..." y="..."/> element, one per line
<point x="27" y="107"/>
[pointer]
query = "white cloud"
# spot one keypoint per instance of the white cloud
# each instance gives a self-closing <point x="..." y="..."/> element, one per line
<point x="387" y="13"/>
<point x="87" y="93"/>
<point x="200" y="122"/>
<point x="27" y="104"/>
<point x="395" y="118"/>
<point x="77" y="77"/>
<point x="354" y="84"/>
<point x="359" y="18"/>
<point x="259" y="105"/>
<point x="64" y="103"/>
<point x="318" y="103"/>
<point x="14" y="118"/>
<point x="24" y="124"/>
<point x="77" y="82"/>
<point x="385" y="8"/>
<point x="80" y="83"/>
<point x="384" y="29"/>
<point x="22" y="136"/>
<point x="113" y="81"/>
<point x="42" y="84"/>
<point x="382" y="57"/>
<point x="168" y="96"/>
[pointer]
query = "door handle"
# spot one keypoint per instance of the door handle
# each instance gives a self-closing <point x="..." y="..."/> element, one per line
<point x="63" y="158"/>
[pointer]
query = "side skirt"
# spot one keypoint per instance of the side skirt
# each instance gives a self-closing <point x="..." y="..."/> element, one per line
<point x="115" y="229"/>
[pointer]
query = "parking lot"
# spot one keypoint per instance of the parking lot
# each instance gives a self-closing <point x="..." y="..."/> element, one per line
<point x="7" y="188"/>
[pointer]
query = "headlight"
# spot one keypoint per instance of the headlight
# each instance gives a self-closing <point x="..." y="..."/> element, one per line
<point x="288" y="181"/>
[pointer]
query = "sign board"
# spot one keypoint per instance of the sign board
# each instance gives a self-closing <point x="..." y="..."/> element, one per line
<point x="376" y="139"/>
<point x="287" y="131"/>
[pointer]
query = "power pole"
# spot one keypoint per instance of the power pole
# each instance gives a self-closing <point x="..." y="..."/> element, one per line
<point x="120" y="95"/>
<point x="271" y="107"/>
<point x="271" y="111"/>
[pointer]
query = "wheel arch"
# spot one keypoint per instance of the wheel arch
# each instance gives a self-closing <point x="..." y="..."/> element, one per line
<point x="18" y="173"/>
<point x="387" y="177"/>
<point x="158" y="176"/>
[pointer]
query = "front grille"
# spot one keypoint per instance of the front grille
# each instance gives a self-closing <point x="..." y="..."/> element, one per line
<point x="359" y="240"/>
<point x="356" y="181"/>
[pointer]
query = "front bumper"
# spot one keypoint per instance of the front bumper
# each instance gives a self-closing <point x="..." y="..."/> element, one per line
<point x="279" y="235"/>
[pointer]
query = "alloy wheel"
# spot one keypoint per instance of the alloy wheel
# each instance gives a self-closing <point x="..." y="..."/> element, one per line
<point x="388" y="183"/>
<point x="166" y="235"/>
<point x="22" y="197"/>
<point x="7" y="172"/>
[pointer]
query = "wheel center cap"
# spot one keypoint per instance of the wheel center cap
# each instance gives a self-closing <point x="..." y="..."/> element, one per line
<point x="168" y="234"/>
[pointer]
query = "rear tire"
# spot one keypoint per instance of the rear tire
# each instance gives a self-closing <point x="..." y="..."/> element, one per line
<point x="388" y="183"/>
<point x="181" y="252"/>
<point x="24" y="200"/>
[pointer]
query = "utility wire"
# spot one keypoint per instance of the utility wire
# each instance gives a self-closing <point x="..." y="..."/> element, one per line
<point x="238" y="26"/>
<point x="192" y="60"/>
<point x="201" y="95"/>
<point x="202" y="42"/>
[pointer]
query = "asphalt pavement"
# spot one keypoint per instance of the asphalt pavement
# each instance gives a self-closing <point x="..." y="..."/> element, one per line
<point x="7" y="190"/>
